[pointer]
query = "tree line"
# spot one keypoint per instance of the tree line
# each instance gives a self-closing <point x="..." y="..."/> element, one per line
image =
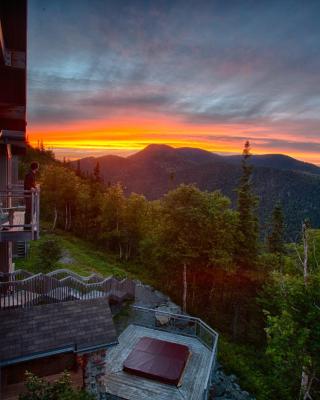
<point x="210" y="259"/>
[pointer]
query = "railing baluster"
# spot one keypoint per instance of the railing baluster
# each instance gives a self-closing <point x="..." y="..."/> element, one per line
<point x="201" y="330"/>
<point x="23" y="289"/>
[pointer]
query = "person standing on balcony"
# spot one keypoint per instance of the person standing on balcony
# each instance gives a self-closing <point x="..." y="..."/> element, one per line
<point x="30" y="185"/>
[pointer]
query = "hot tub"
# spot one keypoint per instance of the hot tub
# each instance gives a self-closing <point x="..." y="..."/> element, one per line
<point x="158" y="359"/>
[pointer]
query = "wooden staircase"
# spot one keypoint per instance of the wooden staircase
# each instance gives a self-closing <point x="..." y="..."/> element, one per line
<point x="25" y="289"/>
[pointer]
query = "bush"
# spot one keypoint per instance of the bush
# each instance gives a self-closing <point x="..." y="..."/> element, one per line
<point x="49" y="253"/>
<point x="250" y="367"/>
<point x="39" y="389"/>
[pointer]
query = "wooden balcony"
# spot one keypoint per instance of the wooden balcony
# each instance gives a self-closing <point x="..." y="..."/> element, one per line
<point x="19" y="214"/>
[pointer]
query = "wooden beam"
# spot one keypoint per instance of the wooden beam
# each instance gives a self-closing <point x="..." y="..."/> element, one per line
<point x="9" y="111"/>
<point x="5" y="256"/>
<point x="8" y="136"/>
<point x="18" y="59"/>
<point x="6" y="54"/>
<point x="11" y="58"/>
<point x="12" y="85"/>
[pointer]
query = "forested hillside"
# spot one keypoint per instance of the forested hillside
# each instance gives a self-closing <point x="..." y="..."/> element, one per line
<point x="278" y="161"/>
<point x="263" y="296"/>
<point x="159" y="168"/>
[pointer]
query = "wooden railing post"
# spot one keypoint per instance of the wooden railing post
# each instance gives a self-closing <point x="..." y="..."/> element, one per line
<point x="32" y="212"/>
<point x="38" y="212"/>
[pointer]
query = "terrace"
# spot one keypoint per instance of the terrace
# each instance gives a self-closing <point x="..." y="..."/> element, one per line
<point x="12" y="214"/>
<point x="185" y="330"/>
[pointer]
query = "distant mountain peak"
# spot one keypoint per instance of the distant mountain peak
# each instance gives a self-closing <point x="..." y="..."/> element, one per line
<point x="153" y="151"/>
<point x="154" y="146"/>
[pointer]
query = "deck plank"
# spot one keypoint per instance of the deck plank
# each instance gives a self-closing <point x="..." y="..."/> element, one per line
<point x="127" y="386"/>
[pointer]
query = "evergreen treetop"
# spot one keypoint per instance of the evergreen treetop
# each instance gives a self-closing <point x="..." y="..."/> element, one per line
<point x="248" y="229"/>
<point x="276" y="235"/>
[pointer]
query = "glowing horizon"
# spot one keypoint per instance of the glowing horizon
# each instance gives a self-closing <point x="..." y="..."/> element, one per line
<point x="144" y="77"/>
<point x="75" y="149"/>
<point x="126" y="136"/>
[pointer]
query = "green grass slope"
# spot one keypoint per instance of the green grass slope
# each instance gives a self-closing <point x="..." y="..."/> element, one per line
<point x="78" y="256"/>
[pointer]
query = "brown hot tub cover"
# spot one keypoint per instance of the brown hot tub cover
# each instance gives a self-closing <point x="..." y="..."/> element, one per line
<point x="157" y="359"/>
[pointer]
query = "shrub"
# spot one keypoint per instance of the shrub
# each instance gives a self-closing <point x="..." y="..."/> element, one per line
<point x="49" y="253"/>
<point x="39" y="389"/>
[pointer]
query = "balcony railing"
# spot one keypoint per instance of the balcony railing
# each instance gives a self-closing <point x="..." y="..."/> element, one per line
<point x="24" y="289"/>
<point x="19" y="212"/>
<point x="182" y="325"/>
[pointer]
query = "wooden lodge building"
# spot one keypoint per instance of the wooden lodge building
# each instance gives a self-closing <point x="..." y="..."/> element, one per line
<point x="13" y="50"/>
<point x="62" y="321"/>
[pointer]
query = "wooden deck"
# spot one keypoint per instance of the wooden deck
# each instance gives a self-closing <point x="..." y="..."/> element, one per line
<point x="17" y="231"/>
<point x="130" y="387"/>
<point x="18" y="219"/>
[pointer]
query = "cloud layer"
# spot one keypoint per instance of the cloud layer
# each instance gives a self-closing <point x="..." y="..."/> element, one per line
<point x="209" y="73"/>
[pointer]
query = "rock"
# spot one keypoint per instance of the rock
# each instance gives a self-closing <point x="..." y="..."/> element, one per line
<point x="218" y="390"/>
<point x="226" y="387"/>
<point x="232" y="378"/>
<point x="66" y="258"/>
<point x="218" y="365"/>
<point x="223" y="398"/>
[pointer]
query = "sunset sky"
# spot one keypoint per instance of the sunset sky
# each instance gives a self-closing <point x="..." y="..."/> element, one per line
<point x="113" y="76"/>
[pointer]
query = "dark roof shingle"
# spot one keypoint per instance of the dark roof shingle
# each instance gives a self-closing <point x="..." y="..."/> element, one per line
<point x="82" y="325"/>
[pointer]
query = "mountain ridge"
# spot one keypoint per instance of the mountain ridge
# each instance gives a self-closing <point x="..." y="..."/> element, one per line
<point x="272" y="160"/>
<point x="157" y="169"/>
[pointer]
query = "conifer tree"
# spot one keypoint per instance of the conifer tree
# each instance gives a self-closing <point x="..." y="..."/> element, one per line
<point x="42" y="147"/>
<point x="96" y="173"/>
<point x="78" y="169"/>
<point x="248" y="230"/>
<point x="275" y="237"/>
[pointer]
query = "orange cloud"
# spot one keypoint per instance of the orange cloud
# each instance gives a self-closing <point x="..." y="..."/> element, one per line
<point x="129" y="134"/>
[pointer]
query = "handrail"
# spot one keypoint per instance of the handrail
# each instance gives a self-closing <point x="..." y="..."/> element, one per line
<point x="212" y="368"/>
<point x="70" y="274"/>
<point x="54" y="273"/>
<point x="34" y="289"/>
<point x="20" y="200"/>
<point x="15" y="273"/>
<point x="199" y="325"/>
<point x="178" y="316"/>
<point x="74" y="274"/>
